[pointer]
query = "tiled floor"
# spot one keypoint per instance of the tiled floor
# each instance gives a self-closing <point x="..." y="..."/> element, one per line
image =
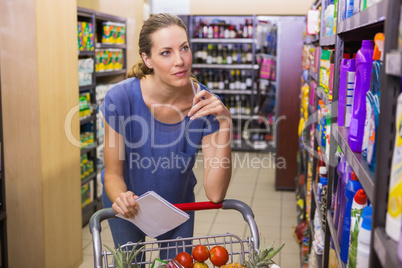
<point x="253" y="182"/>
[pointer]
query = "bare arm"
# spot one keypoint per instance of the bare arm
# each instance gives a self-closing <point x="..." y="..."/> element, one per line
<point x="115" y="187"/>
<point x="216" y="147"/>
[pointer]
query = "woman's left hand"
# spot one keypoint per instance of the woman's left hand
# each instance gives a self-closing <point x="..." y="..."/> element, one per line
<point x="209" y="105"/>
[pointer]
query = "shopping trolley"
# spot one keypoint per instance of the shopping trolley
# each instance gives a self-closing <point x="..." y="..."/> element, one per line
<point x="237" y="248"/>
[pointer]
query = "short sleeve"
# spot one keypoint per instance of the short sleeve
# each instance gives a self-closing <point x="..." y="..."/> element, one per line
<point x="211" y="125"/>
<point x="110" y="111"/>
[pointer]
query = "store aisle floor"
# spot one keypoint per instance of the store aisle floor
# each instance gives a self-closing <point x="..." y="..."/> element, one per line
<point x="253" y="182"/>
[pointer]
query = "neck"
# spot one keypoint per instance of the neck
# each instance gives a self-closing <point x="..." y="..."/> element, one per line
<point x="163" y="93"/>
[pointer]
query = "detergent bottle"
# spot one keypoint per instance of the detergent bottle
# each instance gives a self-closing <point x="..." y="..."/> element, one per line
<point x="364" y="63"/>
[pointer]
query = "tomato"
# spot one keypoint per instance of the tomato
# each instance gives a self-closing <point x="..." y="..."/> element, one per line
<point x="218" y="255"/>
<point x="200" y="265"/>
<point x="184" y="259"/>
<point x="200" y="253"/>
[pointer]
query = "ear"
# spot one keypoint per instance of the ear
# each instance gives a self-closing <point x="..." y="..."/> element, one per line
<point x="147" y="60"/>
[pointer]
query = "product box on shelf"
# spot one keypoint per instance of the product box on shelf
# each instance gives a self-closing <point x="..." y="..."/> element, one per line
<point x="85" y="36"/>
<point x="87" y="193"/>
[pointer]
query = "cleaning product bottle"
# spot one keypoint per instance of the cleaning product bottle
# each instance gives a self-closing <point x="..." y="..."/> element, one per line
<point x="350" y="90"/>
<point x="349" y="8"/>
<point x="351" y="188"/>
<point x="340" y="189"/>
<point x="323" y="181"/>
<point x="375" y="102"/>
<point x="343" y="83"/>
<point x="372" y="96"/>
<point x="394" y="211"/>
<point x="364" y="238"/>
<point x="359" y="202"/>
<point x="322" y="172"/>
<point x="342" y="199"/>
<point x="364" y="63"/>
<point x="327" y="133"/>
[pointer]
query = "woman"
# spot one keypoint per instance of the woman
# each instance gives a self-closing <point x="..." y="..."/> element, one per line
<point x="154" y="126"/>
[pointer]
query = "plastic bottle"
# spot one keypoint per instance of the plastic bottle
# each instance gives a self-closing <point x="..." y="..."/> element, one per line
<point x="322" y="172"/>
<point x="340" y="190"/>
<point x="347" y="65"/>
<point x="349" y="8"/>
<point x="342" y="199"/>
<point x="364" y="238"/>
<point x="364" y="63"/>
<point x="375" y="102"/>
<point x="323" y="181"/>
<point x="351" y="188"/>
<point x="359" y="202"/>
<point x="394" y="211"/>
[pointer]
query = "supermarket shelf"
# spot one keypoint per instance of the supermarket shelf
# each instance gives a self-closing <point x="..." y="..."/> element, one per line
<point x="241" y="117"/>
<point x="222" y="40"/>
<point x="317" y="205"/>
<point x="99" y="74"/>
<point x="266" y="56"/>
<point x="386" y="249"/>
<point x="356" y="161"/>
<point x="334" y="235"/>
<point x="88" y="179"/>
<point x="328" y="40"/>
<point x="317" y="137"/>
<point x="88" y="149"/>
<point x="87" y="87"/>
<point x="367" y="17"/>
<point x="104" y="46"/>
<point x="82" y="12"/>
<point x="86" y="53"/>
<point x="227" y="66"/>
<point x="311" y="39"/>
<point x="314" y="76"/>
<point x="87" y="119"/>
<point x="323" y="96"/>
<point x="393" y="63"/>
<point x="228" y="91"/>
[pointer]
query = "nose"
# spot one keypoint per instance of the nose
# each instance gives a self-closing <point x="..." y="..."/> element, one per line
<point x="179" y="59"/>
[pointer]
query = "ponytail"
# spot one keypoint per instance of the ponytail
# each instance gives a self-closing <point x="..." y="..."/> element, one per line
<point x="139" y="70"/>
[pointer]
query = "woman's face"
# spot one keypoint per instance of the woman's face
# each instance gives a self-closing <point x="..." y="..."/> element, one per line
<point x="171" y="56"/>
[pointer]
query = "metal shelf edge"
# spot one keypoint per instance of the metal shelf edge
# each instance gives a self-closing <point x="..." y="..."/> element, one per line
<point x="386" y="249"/>
<point x="323" y="96"/>
<point x="107" y="73"/>
<point x="369" y="16"/>
<point x="334" y="236"/>
<point x="359" y="165"/>
<point x="328" y="40"/>
<point x="227" y="66"/>
<point x="223" y="40"/>
<point x="88" y="179"/>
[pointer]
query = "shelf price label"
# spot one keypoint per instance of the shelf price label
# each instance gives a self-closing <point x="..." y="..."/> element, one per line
<point x="393" y="63"/>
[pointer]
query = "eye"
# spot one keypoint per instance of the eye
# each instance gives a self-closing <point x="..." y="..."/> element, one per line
<point x="185" y="48"/>
<point x="165" y="53"/>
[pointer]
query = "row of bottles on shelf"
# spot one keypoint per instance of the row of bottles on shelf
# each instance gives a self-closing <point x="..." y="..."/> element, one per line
<point x="348" y="8"/>
<point x="350" y="211"/>
<point x="225" y="79"/>
<point x="223" y="54"/>
<point x="253" y="130"/>
<point x="237" y="104"/>
<point x="223" y="29"/>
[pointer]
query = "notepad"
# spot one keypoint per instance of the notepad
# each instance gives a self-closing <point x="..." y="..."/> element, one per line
<point x="156" y="216"/>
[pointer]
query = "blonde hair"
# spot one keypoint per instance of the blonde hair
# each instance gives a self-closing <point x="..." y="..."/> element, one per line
<point x="151" y="25"/>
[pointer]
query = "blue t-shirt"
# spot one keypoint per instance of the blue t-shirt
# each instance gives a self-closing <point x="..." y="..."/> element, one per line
<point x="158" y="156"/>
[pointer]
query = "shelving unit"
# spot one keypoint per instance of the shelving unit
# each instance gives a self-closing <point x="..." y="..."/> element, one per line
<point x="383" y="16"/>
<point x="252" y="69"/>
<point x="98" y="78"/>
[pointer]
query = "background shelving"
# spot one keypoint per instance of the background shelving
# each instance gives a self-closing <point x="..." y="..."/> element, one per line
<point x="382" y="16"/>
<point x="91" y="195"/>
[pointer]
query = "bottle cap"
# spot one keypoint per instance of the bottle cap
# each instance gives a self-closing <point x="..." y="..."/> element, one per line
<point x="323" y="171"/>
<point x="367" y="44"/>
<point x="379" y="46"/>
<point x="367" y="216"/>
<point x="360" y="197"/>
<point x="353" y="176"/>
<point x="323" y="181"/>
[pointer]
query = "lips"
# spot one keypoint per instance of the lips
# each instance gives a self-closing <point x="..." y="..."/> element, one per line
<point x="180" y="74"/>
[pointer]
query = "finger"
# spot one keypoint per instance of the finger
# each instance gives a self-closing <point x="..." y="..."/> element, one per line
<point x="117" y="209"/>
<point x="196" y="107"/>
<point x="208" y="110"/>
<point x="202" y="94"/>
<point x="130" y="204"/>
<point x="119" y="206"/>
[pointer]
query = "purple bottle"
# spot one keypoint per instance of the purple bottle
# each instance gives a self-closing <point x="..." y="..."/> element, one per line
<point x="340" y="190"/>
<point x="341" y="205"/>
<point x="347" y="65"/>
<point x="364" y="63"/>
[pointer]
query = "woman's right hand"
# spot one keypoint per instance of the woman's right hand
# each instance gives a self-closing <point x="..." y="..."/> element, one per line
<point x="126" y="205"/>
